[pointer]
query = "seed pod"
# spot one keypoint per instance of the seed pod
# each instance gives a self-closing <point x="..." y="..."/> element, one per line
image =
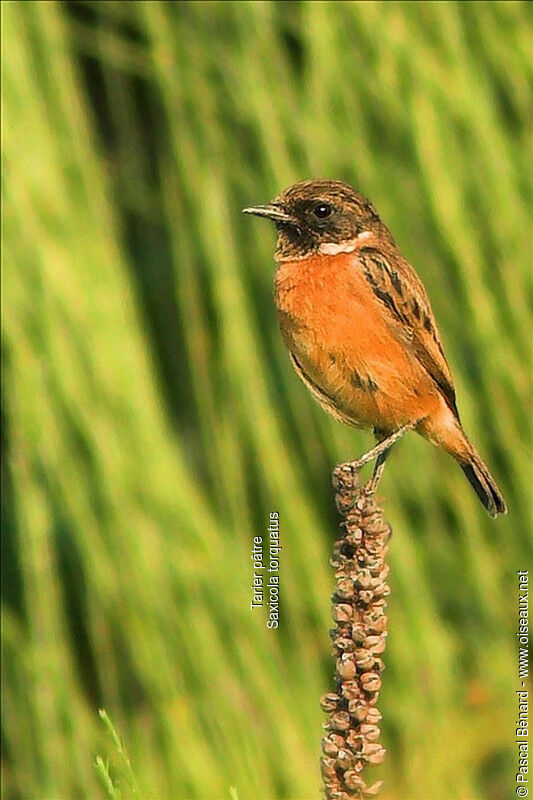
<point x="374" y="564"/>
<point x="379" y="625"/>
<point x="327" y="767"/>
<point x="350" y="690"/>
<point x="346" y="669"/>
<point x="343" y="631"/>
<point x="344" y="759"/>
<point x="344" y="644"/>
<point x="329" y="747"/>
<point x="339" y="721"/>
<point x="373" y="752"/>
<point x="356" y="534"/>
<point x="358" y="710"/>
<point x="343" y="571"/>
<point x="372" y="615"/>
<point x="364" y="659"/>
<point x="371" y="682"/>
<point x="365" y="595"/>
<point x="353" y="540"/>
<point x="363" y="579"/>
<point x="375" y="643"/>
<point x="331" y="787"/>
<point x="358" y="633"/>
<point x="365" y="662"/>
<point x="329" y="701"/>
<point x="377" y="758"/>
<point x="370" y="732"/>
<point x="373" y="716"/>
<point x="373" y="546"/>
<point x="354" y="781"/>
<point x="342" y="612"/>
<point x="336" y="560"/>
<point x="355" y="741"/>
<point x="345" y="589"/>
<point x="379" y="664"/>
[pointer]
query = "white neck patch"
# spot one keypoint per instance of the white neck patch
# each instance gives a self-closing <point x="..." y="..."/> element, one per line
<point x="334" y="248"/>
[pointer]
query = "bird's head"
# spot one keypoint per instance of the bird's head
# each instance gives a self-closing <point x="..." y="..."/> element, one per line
<point x="320" y="216"/>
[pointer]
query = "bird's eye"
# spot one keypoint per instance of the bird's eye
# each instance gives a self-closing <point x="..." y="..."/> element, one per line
<point x="322" y="210"/>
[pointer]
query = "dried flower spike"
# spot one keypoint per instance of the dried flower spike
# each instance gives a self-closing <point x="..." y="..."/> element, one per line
<point x="359" y="638"/>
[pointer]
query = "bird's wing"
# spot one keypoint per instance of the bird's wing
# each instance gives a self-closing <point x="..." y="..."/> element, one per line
<point x="398" y="287"/>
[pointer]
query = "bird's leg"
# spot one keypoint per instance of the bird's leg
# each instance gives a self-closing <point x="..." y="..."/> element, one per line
<point x="379" y="466"/>
<point x="380" y="450"/>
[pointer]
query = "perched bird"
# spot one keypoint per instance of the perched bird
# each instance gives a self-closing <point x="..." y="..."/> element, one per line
<point x="359" y="326"/>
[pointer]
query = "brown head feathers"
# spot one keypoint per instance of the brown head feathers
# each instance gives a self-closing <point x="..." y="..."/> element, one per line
<point x="311" y="215"/>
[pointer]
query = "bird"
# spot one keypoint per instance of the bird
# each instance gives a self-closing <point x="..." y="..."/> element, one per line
<point x="360" y="330"/>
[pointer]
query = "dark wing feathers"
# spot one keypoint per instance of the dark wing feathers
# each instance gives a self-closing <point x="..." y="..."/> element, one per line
<point x="399" y="288"/>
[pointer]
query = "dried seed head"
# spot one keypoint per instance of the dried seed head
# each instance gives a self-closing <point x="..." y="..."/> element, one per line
<point x="359" y="637"/>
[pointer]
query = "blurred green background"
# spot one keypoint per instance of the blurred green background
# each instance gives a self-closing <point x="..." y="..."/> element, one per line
<point x="152" y="419"/>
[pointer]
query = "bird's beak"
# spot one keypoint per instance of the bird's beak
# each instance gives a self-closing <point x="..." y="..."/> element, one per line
<point x="271" y="211"/>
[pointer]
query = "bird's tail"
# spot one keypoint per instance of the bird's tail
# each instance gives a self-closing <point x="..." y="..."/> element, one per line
<point x="482" y="481"/>
<point x="445" y="430"/>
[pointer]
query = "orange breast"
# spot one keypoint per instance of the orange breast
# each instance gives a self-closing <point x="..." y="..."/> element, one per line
<point x="347" y="345"/>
